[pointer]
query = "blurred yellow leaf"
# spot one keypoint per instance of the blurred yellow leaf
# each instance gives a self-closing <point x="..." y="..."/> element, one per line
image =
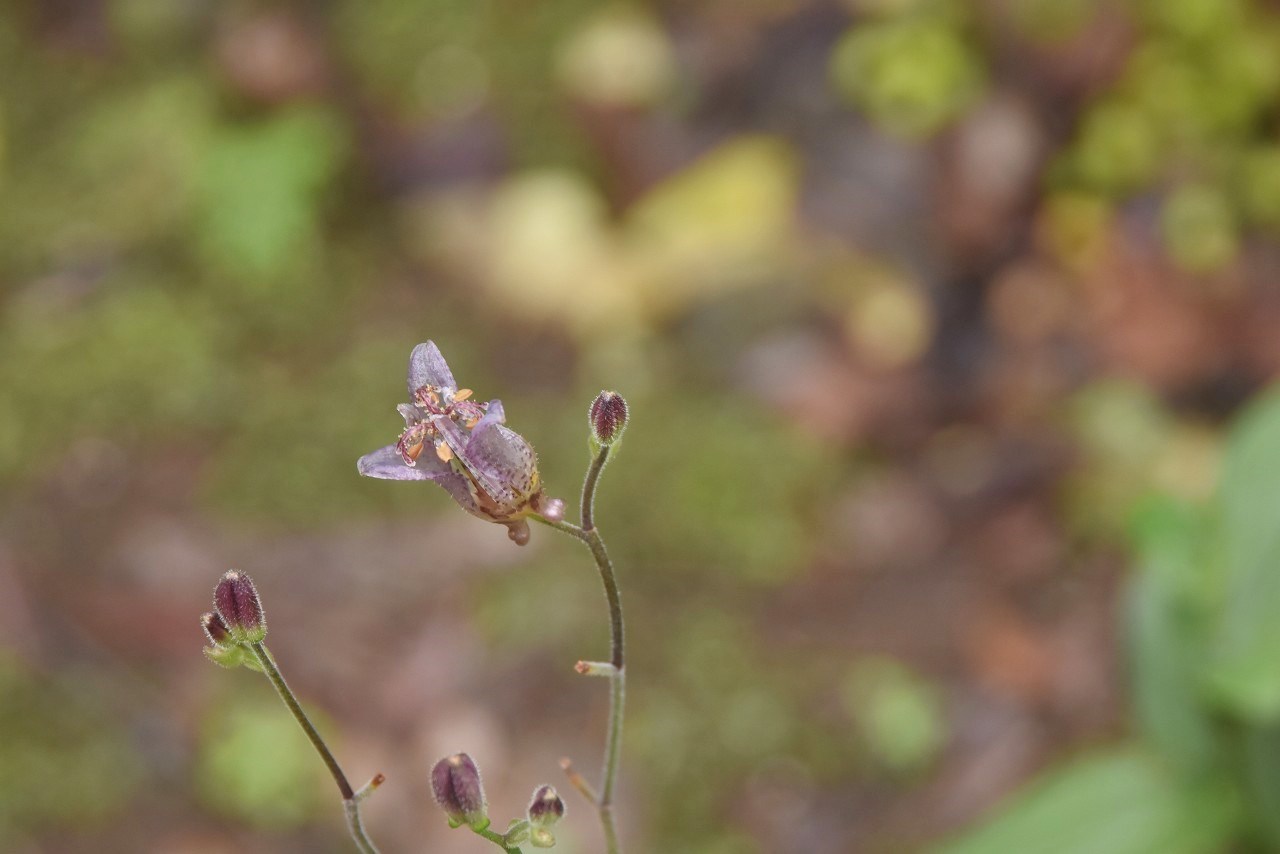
<point x="719" y="223"/>
<point x="620" y="57"/>
<point x="552" y="255"/>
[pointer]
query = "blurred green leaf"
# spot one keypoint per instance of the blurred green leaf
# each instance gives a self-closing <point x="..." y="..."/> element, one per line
<point x="1260" y="185"/>
<point x="1119" y="802"/>
<point x="900" y="713"/>
<point x="256" y="764"/>
<point x="1248" y="645"/>
<point x="1117" y="150"/>
<point x="912" y="74"/>
<point x="1199" y="228"/>
<point x="1169" y="605"/>
<point x="259" y="191"/>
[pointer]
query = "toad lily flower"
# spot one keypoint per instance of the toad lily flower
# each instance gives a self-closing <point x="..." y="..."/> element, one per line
<point x="464" y="446"/>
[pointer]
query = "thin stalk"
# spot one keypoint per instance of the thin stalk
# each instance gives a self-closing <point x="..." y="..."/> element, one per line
<point x="590" y="536"/>
<point x="350" y="803"/>
<point x="498" y="839"/>
<point x="560" y="525"/>
<point x="589" y="487"/>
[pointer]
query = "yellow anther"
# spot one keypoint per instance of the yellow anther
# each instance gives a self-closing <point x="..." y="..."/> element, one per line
<point x="444" y="452"/>
<point x="461" y="394"/>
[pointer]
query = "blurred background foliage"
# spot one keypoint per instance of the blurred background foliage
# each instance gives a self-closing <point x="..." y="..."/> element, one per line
<point x="947" y="516"/>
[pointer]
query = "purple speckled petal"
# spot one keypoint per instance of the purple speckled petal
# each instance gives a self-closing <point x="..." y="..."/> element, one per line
<point x="387" y="464"/>
<point x="428" y="367"/>
<point x="460" y="488"/>
<point x="497" y="454"/>
<point x="487" y="461"/>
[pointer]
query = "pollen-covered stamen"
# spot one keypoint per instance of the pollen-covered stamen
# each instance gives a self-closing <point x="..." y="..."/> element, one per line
<point x="444" y="452"/>
<point x="412" y="441"/>
<point x="428" y="397"/>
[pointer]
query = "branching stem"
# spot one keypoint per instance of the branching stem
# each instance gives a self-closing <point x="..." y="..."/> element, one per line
<point x="350" y="799"/>
<point x="590" y="537"/>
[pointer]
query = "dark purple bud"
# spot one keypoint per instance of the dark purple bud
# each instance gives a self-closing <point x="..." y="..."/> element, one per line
<point x="456" y="783"/>
<point x="608" y="416"/>
<point x="215" y="629"/>
<point x="546" y="807"/>
<point x="238" y="604"/>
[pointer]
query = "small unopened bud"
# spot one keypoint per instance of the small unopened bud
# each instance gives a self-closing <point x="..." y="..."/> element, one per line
<point x="551" y="509"/>
<point x="455" y="781"/>
<point x="608" y="416"/>
<point x="238" y="604"/>
<point x="546" y="807"/>
<point x="215" y="629"/>
<point x="222" y="649"/>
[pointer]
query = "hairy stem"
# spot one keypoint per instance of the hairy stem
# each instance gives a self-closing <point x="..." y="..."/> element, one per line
<point x="498" y="839"/>
<point x="591" y="538"/>
<point x="350" y="803"/>
<point x="617" y="695"/>
<point x="589" y="487"/>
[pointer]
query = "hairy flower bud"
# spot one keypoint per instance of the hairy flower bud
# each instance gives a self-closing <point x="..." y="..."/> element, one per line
<point x="455" y="781"/>
<point x="546" y="807"/>
<point x="215" y="629"/>
<point x="608" y="417"/>
<point x="238" y="604"/>
<point x="222" y="649"/>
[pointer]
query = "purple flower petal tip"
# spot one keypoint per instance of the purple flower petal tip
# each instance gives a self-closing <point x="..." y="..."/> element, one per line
<point x="428" y="367"/>
<point x="387" y="464"/>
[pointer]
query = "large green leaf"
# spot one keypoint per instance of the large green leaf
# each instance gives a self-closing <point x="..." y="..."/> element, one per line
<point x="1119" y="802"/>
<point x="1168" y="608"/>
<point x="1247" y="660"/>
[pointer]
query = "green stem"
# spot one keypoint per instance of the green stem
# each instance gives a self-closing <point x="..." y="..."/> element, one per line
<point x="498" y="839"/>
<point x="560" y="525"/>
<point x="591" y="538"/>
<point x="350" y="804"/>
<point x="618" y="680"/>
<point x="589" y="487"/>
<point x="617" y="694"/>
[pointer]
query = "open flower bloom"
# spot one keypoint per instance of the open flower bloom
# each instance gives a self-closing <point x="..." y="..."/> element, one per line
<point x="464" y="446"/>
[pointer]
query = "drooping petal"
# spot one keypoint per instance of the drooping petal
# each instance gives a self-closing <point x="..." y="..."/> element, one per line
<point x="460" y="490"/>
<point x="490" y="466"/>
<point x="428" y="367"/>
<point x="387" y="464"/>
<point x="499" y="454"/>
